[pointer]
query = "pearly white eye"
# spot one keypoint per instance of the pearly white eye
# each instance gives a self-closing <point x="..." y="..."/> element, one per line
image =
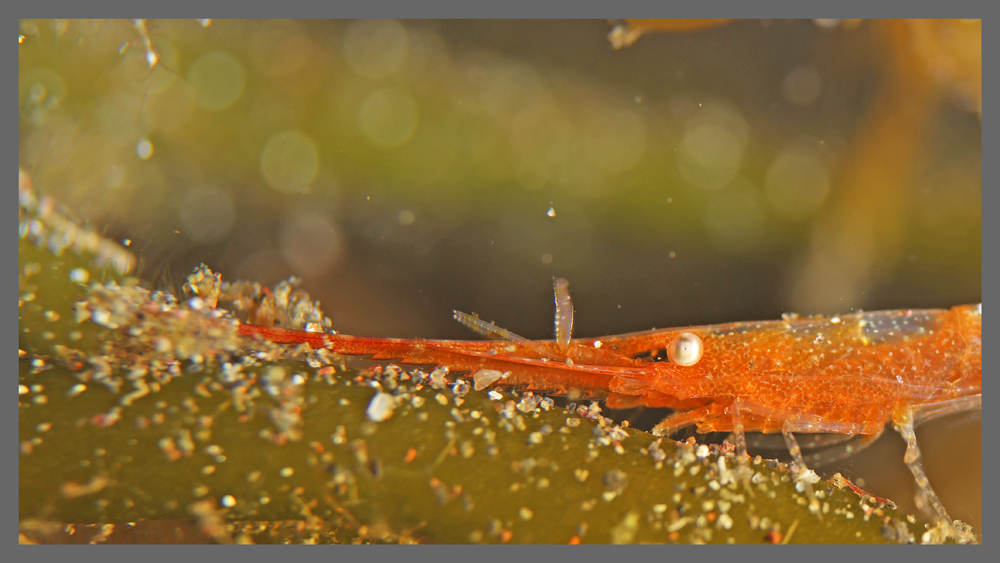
<point x="685" y="350"/>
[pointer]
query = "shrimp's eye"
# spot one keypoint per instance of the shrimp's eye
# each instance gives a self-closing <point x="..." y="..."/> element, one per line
<point x="685" y="350"/>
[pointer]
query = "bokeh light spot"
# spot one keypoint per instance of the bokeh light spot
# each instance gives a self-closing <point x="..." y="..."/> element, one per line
<point x="388" y="117"/>
<point x="802" y="86"/>
<point x="144" y="148"/>
<point x="734" y="218"/>
<point x="218" y="80"/>
<point x="617" y="142"/>
<point x="407" y="217"/>
<point x="40" y="92"/>
<point x="375" y="48"/>
<point x="207" y="215"/>
<point x="310" y="243"/>
<point x="289" y="161"/>
<point x="712" y="147"/>
<point x="796" y="184"/>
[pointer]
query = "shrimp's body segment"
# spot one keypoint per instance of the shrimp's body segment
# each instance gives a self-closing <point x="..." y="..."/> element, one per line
<point x="848" y="375"/>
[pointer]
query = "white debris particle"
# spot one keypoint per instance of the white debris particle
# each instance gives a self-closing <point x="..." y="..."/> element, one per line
<point x="809" y="476"/>
<point x="381" y="407"/>
<point x="725" y="521"/>
<point x="485" y="377"/>
<point x="525" y="513"/>
<point x="76" y="389"/>
<point x="22" y="389"/>
<point x="495" y="395"/>
<point x="275" y="375"/>
<point x="702" y="451"/>
<point x="725" y="475"/>
<point x="287" y="472"/>
<point x="626" y="530"/>
<point x="806" y="476"/>
<point x="229" y="501"/>
<point x="680" y="523"/>
<point x="439" y="377"/>
<point x="79" y="275"/>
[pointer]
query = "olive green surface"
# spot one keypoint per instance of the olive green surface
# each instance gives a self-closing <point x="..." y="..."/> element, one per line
<point x="451" y="465"/>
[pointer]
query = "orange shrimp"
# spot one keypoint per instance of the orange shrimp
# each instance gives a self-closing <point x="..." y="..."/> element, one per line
<point x="846" y="375"/>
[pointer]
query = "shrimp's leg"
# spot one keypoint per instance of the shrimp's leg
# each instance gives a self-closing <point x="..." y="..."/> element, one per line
<point x="929" y="411"/>
<point x="846" y="449"/>
<point x="792" y="422"/>
<point x="679" y="420"/>
<point x="825" y="448"/>
<point x="739" y="436"/>
<point x="802" y="475"/>
<point x="903" y="422"/>
<point x="698" y="415"/>
<point x="807" y="441"/>
<point x="742" y="457"/>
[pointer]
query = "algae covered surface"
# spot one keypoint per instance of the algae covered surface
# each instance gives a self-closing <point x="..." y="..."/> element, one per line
<point x="137" y="406"/>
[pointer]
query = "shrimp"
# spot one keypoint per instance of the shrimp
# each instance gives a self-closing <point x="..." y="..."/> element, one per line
<point x="846" y="375"/>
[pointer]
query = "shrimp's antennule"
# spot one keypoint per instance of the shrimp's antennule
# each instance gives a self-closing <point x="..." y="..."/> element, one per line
<point x="491" y="330"/>
<point x="487" y="328"/>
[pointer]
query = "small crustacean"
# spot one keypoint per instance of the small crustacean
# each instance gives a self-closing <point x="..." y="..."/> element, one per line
<point x="846" y="376"/>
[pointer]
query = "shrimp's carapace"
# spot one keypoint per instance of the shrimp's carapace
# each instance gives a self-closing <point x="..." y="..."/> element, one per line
<point x="849" y="374"/>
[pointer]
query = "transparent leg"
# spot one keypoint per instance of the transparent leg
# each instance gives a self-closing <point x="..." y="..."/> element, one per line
<point x="903" y="422"/>
<point x="804" y="477"/>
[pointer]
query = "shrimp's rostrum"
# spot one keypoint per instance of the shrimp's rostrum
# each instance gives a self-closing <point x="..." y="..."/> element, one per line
<point x="848" y="375"/>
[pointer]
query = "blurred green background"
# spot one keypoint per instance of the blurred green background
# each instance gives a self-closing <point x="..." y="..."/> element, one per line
<point x="708" y="172"/>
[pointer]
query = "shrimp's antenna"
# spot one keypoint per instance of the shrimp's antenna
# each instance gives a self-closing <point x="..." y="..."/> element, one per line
<point x="564" y="313"/>
<point x="487" y="328"/>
